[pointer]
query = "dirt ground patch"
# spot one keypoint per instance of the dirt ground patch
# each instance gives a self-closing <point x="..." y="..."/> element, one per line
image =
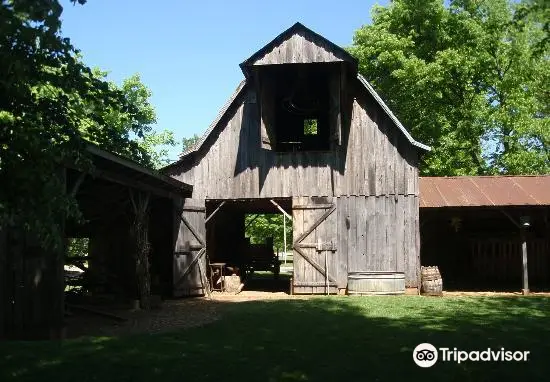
<point x="174" y="314"/>
<point x="255" y="296"/>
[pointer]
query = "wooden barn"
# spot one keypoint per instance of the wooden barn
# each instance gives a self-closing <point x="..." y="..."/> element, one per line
<point x="304" y="133"/>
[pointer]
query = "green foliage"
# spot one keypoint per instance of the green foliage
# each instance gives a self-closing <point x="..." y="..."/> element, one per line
<point x="470" y="79"/>
<point x="310" y="127"/>
<point x="77" y="247"/>
<point x="189" y="143"/>
<point x="155" y="144"/>
<point x="268" y="225"/>
<point x="50" y="102"/>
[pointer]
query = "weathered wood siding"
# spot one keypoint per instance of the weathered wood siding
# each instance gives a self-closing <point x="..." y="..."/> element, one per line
<point x="379" y="233"/>
<point x="300" y="48"/>
<point x="189" y="250"/>
<point x="374" y="159"/>
<point x="315" y="269"/>
<point x="372" y="175"/>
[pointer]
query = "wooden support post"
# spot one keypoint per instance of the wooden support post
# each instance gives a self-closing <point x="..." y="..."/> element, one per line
<point x="284" y="231"/>
<point x="204" y="281"/>
<point x="525" y="289"/>
<point x="140" y="203"/>
<point x="280" y="209"/>
<point x="214" y="212"/>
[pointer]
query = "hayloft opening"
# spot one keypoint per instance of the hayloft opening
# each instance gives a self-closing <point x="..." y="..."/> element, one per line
<point x="297" y="102"/>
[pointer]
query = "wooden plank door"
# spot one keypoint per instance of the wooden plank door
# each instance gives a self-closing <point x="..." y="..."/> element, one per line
<point x="189" y="270"/>
<point x="314" y="236"/>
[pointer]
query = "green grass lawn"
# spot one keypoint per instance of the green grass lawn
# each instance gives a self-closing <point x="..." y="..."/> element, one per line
<point x="320" y="339"/>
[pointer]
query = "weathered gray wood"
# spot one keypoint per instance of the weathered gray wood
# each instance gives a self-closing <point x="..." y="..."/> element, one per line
<point x="214" y="212"/>
<point x="361" y="255"/>
<point x="399" y="234"/>
<point x="189" y="251"/>
<point x="352" y="235"/>
<point x="299" y="49"/>
<point x="315" y="246"/>
<point x="267" y="122"/>
<point x="335" y="118"/>
<point x="235" y="166"/>
<point x="371" y="223"/>
<point x="416" y="231"/>
<point x="342" y="252"/>
<point x="371" y="171"/>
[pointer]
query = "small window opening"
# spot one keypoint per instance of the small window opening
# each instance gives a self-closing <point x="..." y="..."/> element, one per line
<point x="300" y="95"/>
<point x="310" y="127"/>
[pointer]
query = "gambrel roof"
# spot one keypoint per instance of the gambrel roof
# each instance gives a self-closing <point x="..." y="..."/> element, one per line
<point x="315" y="48"/>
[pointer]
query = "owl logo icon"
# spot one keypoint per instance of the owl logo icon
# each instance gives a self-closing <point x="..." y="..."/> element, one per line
<point x="425" y="355"/>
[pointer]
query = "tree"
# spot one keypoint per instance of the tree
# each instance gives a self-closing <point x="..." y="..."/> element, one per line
<point x="189" y="143"/>
<point x="50" y="102"/>
<point x="258" y="228"/>
<point x="137" y="94"/>
<point x="465" y="79"/>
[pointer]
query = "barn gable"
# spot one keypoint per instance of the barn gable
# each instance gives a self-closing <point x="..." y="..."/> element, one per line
<point x="236" y="98"/>
<point x="298" y="45"/>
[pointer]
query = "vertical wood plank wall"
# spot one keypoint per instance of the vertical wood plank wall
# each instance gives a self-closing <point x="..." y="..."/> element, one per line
<point x="307" y="279"/>
<point x="375" y="158"/>
<point x="379" y="233"/>
<point x="373" y="174"/>
<point x="189" y="269"/>
<point x="299" y="49"/>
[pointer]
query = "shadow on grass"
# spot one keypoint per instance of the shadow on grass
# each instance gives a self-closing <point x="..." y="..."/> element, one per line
<point x="320" y="339"/>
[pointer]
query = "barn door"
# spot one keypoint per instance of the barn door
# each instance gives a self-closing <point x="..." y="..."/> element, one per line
<point x="314" y="235"/>
<point x="190" y="249"/>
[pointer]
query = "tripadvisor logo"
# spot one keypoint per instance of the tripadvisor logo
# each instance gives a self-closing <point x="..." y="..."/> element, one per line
<point x="426" y="355"/>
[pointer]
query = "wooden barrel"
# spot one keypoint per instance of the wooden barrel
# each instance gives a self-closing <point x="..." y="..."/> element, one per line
<point x="432" y="283"/>
<point x="368" y="283"/>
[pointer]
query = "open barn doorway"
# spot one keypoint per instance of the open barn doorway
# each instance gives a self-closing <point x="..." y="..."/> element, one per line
<point x="246" y="244"/>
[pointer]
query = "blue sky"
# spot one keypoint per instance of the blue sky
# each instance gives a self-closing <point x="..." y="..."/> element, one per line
<point x="188" y="52"/>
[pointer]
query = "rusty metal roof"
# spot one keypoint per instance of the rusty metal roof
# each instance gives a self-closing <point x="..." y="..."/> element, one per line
<point x="477" y="191"/>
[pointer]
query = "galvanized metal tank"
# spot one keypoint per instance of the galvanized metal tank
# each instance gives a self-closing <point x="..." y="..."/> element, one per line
<point x="368" y="283"/>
